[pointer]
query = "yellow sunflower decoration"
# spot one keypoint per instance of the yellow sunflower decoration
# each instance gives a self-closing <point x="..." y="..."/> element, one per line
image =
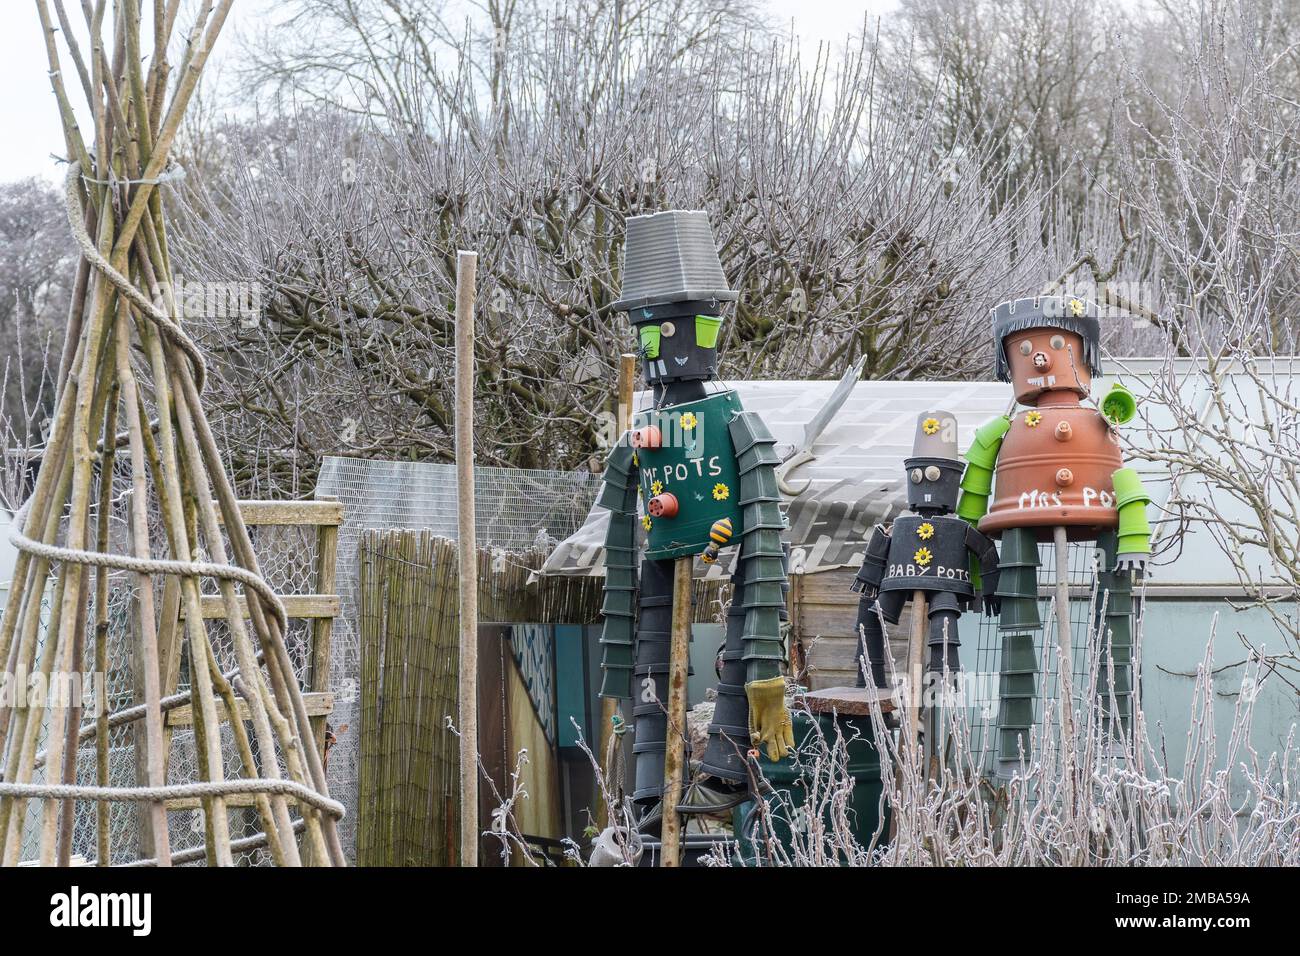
<point x="1077" y="307"/>
<point x="689" y="421"/>
<point x="925" y="532"/>
<point x="923" y="557"/>
<point x="645" y="522"/>
<point x="930" y="426"/>
<point x="1033" y="418"/>
<point x="721" y="492"/>
<point x="656" y="487"/>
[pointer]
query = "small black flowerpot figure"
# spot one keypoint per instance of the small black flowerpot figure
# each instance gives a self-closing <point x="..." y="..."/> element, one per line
<point x="926" y="554"/>
<point x="696" y="474"/>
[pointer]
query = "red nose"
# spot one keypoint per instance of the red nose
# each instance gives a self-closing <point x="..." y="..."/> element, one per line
<point x="662" y="506"/>
<point x="1042" y="361"/>
<point x="647" y="437"/>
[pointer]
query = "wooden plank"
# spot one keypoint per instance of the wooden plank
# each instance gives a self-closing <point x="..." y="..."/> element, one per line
<point x="318" y="704"/>
<point x="322" y="629"/>
<point x="847" y="700"/>
<point x="829" y="586"/>
<point x="296" y="605"/>
<point x="675" y="757"/>
<point x="327" y="542"/>
<point x="266" y="513"/>
<point x="819" y="678"/>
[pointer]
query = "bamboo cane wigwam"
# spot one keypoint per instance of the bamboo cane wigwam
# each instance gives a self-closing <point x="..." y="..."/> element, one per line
<point x="120" y="323"/>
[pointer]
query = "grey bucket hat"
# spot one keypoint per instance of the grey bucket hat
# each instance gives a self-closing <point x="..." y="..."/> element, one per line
<point x="936" y="435"/>
<point x="670" y="257"/>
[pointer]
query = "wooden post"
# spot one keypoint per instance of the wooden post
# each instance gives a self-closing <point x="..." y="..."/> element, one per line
<point x="1064" y="644"/>
<point x="609" y="705"/>
<point x="467" y="557"/>
<point x="670" y="852"/>
<point x="915" y="662"/>
<point x="322" y="629"/>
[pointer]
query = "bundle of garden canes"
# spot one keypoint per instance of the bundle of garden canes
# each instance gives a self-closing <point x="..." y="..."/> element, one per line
<point x="128" y="402"/>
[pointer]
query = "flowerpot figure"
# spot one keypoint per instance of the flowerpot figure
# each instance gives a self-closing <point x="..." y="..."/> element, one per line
<point x="697" y="473"/>
<point x="928" y="550"/>
<point x="1053" y="471"/>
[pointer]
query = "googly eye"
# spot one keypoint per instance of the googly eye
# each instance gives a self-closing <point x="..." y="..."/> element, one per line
<point x="667" y="330"/>
<point x="916" y="476"/>
<point x="932" y="473"/>
<point x="1026" y="347"/>
<point x="1058" y="342"/>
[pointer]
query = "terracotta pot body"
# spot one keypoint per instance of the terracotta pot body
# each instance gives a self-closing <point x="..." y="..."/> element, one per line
<point x="1049" y="476"/>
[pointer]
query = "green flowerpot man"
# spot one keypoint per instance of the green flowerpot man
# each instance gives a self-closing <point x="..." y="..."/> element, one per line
<point x="696" y="473"/>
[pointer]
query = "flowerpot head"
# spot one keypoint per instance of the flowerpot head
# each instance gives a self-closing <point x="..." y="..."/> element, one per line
<point x="1048" y="344"/>
<point x="933" y="470"/>
<point x="673" y="290"/>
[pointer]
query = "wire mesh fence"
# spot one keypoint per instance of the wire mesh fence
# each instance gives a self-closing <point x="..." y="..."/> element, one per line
<point x="288" y="556"/>
<point x="1081" y="579"/>
<point x="515" y="510"/>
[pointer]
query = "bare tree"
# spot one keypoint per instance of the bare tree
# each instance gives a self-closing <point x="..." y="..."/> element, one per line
<point x="1031" y="80"/>
<point x="35" y="288"/>
<point x="847" y="225"/>
<point x="1213" y="181"/>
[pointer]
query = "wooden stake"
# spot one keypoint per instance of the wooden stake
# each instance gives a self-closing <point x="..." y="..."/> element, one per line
<point x="609" y="705"/>
<point x="670" y="853"/>
<point x="1064" y="644"/>
<point x="915" y="662"/>
<point x="467" y="553"/>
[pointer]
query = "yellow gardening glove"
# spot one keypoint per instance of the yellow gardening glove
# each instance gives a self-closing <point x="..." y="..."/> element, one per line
<point x="769" y="721"/>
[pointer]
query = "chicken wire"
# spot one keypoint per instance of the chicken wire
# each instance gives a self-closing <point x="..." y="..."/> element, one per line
<point x="514" y="509"/>
<point x="288" y="559"/>
<point x="1081" y="576"/>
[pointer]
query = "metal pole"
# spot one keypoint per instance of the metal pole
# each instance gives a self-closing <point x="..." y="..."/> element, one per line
<point x="467" y="557"/>
<point x="670" y="853"/>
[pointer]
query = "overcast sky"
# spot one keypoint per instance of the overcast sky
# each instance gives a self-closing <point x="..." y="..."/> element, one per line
<point x="30" y="116"/>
